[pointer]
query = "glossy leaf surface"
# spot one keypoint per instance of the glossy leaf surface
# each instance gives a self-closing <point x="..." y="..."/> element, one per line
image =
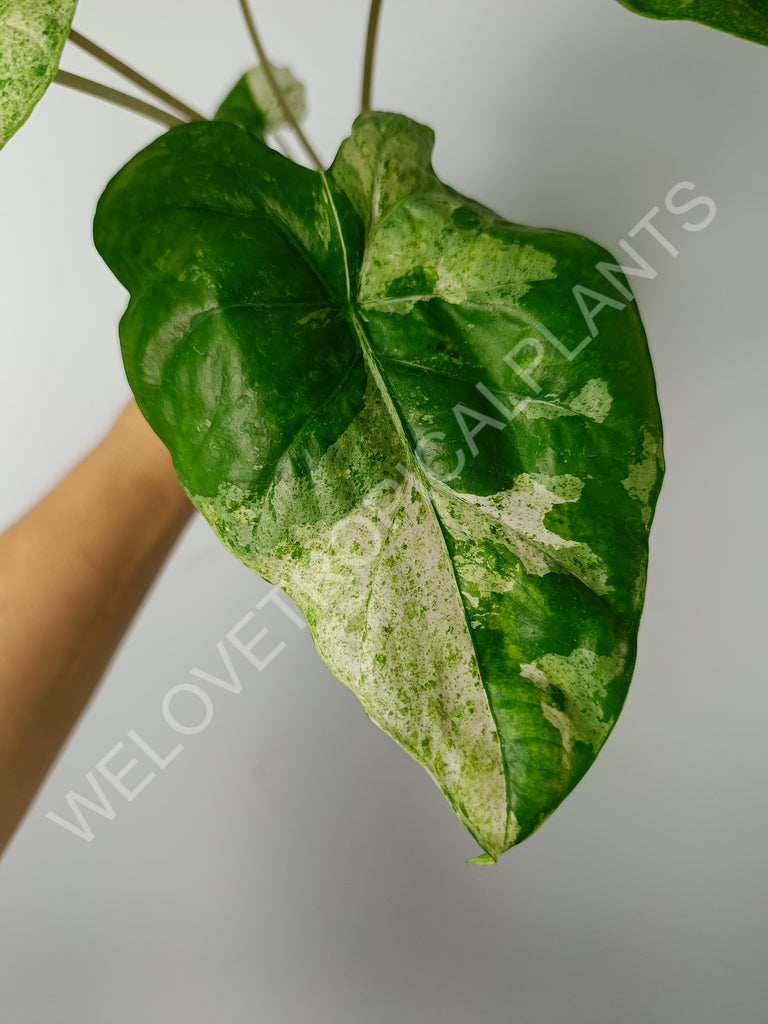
<point x="368" y="385"/>
<point x="32" y="36"/>
<point x="745" y="18"/>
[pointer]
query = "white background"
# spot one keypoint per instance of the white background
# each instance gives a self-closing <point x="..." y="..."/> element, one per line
<point x="292" y="863"/>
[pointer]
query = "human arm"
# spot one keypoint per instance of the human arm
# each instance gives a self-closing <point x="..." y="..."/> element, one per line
<point x="73" y="571"/>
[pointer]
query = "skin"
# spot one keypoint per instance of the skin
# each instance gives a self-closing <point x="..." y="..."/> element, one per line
<point x="73" y="572"/>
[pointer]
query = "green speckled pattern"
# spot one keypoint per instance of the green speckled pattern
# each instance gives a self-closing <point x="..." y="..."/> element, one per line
<point x="32" y="36"/>
<point x="745" y="18"/>
<point x="328" y="358"/>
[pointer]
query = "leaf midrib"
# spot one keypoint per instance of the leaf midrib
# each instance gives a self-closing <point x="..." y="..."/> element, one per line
<point x="377" y="375"/>
<point x="376" y="372"/>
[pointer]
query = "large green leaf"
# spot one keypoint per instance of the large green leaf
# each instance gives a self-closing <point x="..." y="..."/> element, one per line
<point x="340" y="365"/>
<point x="32" y="36"/>
<point x="745" y="18"/>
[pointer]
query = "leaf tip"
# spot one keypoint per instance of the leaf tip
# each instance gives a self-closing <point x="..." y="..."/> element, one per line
<point x="483" y="858"/>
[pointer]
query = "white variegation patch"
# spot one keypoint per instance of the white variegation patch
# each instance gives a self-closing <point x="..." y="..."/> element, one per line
<point x="520" y="512"/>
<point x="564" y="726"/>
<point x="643" y="474"/>
<point x="535" y="675"/>
<point x="593" y="401"/>
<point x="582" y="678"/>
<point x="463" y="266"/>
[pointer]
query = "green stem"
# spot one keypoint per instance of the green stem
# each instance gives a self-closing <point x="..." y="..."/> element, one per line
<point x="279" y="95"/>
<point x="370" y="49"/>
<point x="133" y="76"/>
<point x="121" y="99"/>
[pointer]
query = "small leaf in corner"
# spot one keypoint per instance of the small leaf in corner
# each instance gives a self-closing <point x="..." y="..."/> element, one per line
<point x="32" y="36"/>
<point x="745" y="18"/>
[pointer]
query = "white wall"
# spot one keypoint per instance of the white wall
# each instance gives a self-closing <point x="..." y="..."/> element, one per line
<point x="292" y="864"/>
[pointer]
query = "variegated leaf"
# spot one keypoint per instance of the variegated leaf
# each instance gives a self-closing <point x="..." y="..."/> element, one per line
<point x="436" y="430"/>
<point x="32" y="36"/>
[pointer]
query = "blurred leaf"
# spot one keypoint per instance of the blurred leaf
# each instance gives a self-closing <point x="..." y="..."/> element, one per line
<point x="32" y="36"/>
<point x="252" y="103"/>
<point x="745" y="18"/>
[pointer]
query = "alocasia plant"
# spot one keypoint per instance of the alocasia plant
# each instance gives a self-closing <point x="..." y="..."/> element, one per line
<point x="745" y="18"/>
<point x="437" y="430"/>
